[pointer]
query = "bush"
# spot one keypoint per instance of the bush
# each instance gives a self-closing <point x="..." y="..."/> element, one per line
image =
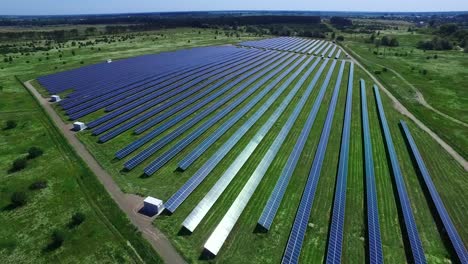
<point x="37" y="185"/>
<point x="34" y="152"/>
<point x="340" y="38"/>
<point x="384" y="69"/>
<point x="436" y="57"/>
<point x="10" y="124"/>
<point x="58" y="237"/>
<point x="377" y="72"/>
<point x="18" y="199"/>
<point x="18" y="164"/>
<point x="77" y="219"/>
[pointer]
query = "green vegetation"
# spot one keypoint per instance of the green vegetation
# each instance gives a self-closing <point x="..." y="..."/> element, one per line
<point x="100" y="230"/>
<point x="417" y="77"/>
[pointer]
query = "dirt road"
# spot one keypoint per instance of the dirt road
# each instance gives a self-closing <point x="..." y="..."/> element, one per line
<point x="402" y="109"/>
<point x="128" y="203"/>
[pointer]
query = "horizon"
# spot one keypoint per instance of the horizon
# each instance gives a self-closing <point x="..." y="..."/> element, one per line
<point x="89" y="7"/>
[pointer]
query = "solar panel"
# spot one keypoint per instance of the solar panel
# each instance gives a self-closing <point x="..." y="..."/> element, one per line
<point x="449" y="227"/>
<point x="195" y="217"/>
<point x="373" y="227"/>
<point x="335" y="239"/>
<point x="164" y="141"/>
<point x="296" y="237"/>
<point x="403" y="199"/>
<point x="270" y="209"/>
<point x="176" y="199"/>
<point x="221" y="232"/>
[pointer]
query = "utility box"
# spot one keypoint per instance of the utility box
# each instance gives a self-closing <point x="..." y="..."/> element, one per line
<point x="55" y="98"/>
<point x="152" y="206"/>
<point x="79" y="126"/>
<point x="109" y="60"/>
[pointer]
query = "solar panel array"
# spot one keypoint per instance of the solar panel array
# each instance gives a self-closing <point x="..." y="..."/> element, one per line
<point x="169" y="102"/>
<point x="373" y="227"/>
<point x="335" y="239"/>
<point x="410" y="224"/>
<point x="454" y="237"/>
<point x="315" y="47"/>
<point x="297" y="234"/>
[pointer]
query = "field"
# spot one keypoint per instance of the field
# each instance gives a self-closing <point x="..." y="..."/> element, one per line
<point x="245" y="244"/>
<point x="441" y="87"/>
<point x="106" y="233"/>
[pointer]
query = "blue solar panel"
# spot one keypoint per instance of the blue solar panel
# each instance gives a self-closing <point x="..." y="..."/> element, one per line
<point x="160" y="161"/>
<point x="170" y="137"/>
<point x="335" y="239"/>
<point x="373" y="227"/>
<point x="176" y="199"/>
<point x="410" y="224"/>
<point x="454" y="237"/>
<point x="277" y="194"/>
<point x="296" y="237"/>
<point x="176" y="96"/>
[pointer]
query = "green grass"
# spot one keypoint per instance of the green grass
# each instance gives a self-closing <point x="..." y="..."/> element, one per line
<point x="443" y="87"/>
<point x="106" y="234"/>
<point x="244" y="245"/>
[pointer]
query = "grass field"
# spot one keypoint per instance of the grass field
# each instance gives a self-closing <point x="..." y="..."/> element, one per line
<point x="106" y="235"/>
<point x="246" y="246"/>
<point x="238" y="248"/>
<point x="443" y="86"/>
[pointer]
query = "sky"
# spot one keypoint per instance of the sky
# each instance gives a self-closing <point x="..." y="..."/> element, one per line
<point x="61" y="7"/>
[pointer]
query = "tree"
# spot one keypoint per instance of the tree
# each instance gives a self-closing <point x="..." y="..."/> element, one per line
<point x="58" y="237"/>
<point x="34" y="152"/>
<point x="340" y="38"/>
<point x="77" y="219"/>
<point x="18" y="164"/>
<point x="37" y="185"/>
<point x="333" y="35"/>
<point x="18" y="199"/>
<point x="10" y="124"/>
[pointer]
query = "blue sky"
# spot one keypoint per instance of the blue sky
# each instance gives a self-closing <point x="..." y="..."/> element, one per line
<point x="51" y="7"/>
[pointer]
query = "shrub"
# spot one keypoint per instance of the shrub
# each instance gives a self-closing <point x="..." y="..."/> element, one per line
<point x="436" y="57"/>
<point x="37" y="185"/>
<point x="377" y="72"/>
<point x="18" y="199"/>
<point x="10" y="124"/>
<point x="34" y="152"/>
<point x="57" y="237"/>
<point x="77" y="219"/>
<point x="424" y="71"/>
<point x="18" y="164"/>
<point x="340" y="38"/>
<point x="384" y="69"/>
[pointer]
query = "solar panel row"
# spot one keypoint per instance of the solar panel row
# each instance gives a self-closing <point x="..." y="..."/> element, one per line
<point x="374" y="241"/>
<point x="167" y="139"/>
<point x="176" y="199"/>
<point x="177" y="95"/>
<point x="293" y="44"/>
<point x="270" y="209"/>
<point x="449" y="227"/>
<point x="296" y="237"/>
<point x="129" y="86"/>
<point x="140" y="142"/>
<point x="195" y="217"/>
<point x="410" y="225"/>
<point x="222" y="230"/>
<point x="149" y="97"/>
<point x="335" y="239"/>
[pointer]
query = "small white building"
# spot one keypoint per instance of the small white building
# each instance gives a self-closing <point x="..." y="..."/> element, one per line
<point x="79" y="126"/>
<point x="152" y="206"/>
<point x="55" y="98"/>
<point x="109" y="60"/>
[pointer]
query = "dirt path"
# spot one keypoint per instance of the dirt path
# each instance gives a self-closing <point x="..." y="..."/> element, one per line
<point x="418" y="95"/>
<point x="402" y="109"/>
<point x="128" y="203"/>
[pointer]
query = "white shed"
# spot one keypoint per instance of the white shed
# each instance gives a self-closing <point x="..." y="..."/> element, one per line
<point x="79" y="126"/>
<point x="55" y="98"/>
<point x="152" y="205"/>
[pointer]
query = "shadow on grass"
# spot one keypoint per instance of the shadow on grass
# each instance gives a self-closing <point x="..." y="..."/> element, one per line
<point x="206" y="255"/>
<point x="259" y="229"/>
<point x="184" y="232"/>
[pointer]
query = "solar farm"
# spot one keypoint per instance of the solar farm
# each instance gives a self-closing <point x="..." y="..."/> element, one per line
<point x="276" y="150"/>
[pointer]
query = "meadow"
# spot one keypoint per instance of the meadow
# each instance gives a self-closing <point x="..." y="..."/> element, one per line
<point x="245" y="244"/>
